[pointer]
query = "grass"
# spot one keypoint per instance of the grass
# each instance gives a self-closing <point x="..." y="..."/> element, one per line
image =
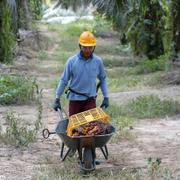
<point x="62" y="55"/>
<point x="57" y="172"/>
<point x="162" y="63"/>
<point x="124" y="116"/>
<point x="18" y="134"/>
<point x="118" y="62"/>
<point x="152" y="107"/>
<point x="17" y="89"/>
<point x="43" y="55"/>
<point x="126" y="79"/>
<point x="113" y="47"/>
<point x="71" y="171"/>
<point x="149" y="106"/>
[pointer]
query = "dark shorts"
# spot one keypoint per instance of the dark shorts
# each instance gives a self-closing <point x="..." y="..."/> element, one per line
<point x="80" y="106"/>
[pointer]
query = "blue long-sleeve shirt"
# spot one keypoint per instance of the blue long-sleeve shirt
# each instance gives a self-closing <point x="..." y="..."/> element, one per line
<point x="81" y="75"/>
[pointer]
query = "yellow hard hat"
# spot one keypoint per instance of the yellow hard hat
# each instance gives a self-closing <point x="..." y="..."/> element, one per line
<point x="87" y="39"/>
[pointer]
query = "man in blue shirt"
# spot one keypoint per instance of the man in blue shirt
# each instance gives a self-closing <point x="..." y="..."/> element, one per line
<point x="80" y="74"/>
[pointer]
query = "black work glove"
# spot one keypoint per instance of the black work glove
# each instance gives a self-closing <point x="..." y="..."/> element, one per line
<point x="105" y="103"/>
<point x="57" y="104"/>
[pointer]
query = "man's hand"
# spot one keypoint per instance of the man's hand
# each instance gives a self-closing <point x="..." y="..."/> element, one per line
<point x="105" y="102"/>
<point x="57" y="104"/>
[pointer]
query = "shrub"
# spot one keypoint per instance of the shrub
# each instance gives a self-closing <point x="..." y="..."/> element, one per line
<point x="151" y="107"/>
<point x="17" y="134"/>
<point x="149" y="66"/>
<point x="16" y="89"/>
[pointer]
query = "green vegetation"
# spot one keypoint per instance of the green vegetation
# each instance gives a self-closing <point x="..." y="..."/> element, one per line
<point x="124" y="116"/>
<point x="18" y="134"/>
<point x="162" y="63"/>
<point x="69" y="171"/>
<point x="100" y="24"/>
<point x="7" y="39"/>
<point x="57" y="172"/>
<point x="36" y="9"/>
<point x="16" y="89"/>
<point x="119" y="62"/>
<point x="14" y="15"/>
<point x="152" y="106"/>
<point x="144" y="107"/>
<point x="149" y="26"/>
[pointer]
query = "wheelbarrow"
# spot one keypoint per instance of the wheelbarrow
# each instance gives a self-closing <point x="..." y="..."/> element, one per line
<point x="85" y="145"/>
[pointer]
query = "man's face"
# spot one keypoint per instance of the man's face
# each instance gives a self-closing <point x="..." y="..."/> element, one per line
<point x="87" y="51"/>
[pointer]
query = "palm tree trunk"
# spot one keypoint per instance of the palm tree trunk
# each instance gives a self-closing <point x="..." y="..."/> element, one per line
<point x="27" y="14"/>
<point x="6" y="32"/>
<point x="154" y="44"/>
<point x="24" y="15"/>
<point x="175" y="9"/>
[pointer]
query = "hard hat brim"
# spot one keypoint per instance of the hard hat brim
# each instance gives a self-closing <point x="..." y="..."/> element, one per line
<point x="85" y="44"/>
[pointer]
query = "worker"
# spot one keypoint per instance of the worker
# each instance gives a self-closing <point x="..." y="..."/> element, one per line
<point x="80" y="75"/>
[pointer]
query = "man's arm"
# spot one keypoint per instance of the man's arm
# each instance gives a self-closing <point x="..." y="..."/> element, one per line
<point x="103" y="85"/>
<point x="63" y="80"/>
<point x="102" y="79"/>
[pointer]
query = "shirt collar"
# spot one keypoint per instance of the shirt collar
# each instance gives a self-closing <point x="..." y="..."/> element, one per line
<point x="80" y="56"/>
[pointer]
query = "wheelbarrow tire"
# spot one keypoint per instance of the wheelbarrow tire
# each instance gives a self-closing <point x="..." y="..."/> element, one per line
<point x="88" y="159"/>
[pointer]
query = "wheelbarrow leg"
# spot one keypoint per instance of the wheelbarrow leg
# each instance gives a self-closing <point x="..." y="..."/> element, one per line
<point x="80" y="153"/>
<point x="106" y="149"/>
<point x="105" y="152"/>
<point x="62" y="150"/>
<point x="63" y="158"/>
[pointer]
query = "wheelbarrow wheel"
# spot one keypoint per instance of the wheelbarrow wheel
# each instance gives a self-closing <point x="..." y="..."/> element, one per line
<point x="88" y="159"/>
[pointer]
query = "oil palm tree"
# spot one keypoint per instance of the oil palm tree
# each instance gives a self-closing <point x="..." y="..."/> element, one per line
<point x="140" y="20"/>
<point x="6" y="30"/>
<point x="175" y="16"/>
<point x="15" y="14"/>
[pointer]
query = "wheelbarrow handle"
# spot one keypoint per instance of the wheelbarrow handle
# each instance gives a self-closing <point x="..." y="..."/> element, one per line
<point x="60" y="114"/>
<point x="46" y="133"/>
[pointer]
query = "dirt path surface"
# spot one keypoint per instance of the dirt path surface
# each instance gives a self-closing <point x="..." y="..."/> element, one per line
<point x="171" y="92"/>
<point x="158" y="138"/>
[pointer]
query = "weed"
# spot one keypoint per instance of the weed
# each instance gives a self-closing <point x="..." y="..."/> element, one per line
<point x="16" y="89"/>
<point x="154" y="167"/>
<point x="42" y="55"/>
<point x="148" y="66"/>
<point x="62" y="56"/>
<point x="17" y="134"/>
<point x="58" y="172"/>
<point x="100" y="24"/>
<point x="112" y="48"/>
<point x="151" y="106"/>
<point x="124" y="116"/>
<point x="124" y="83"/>
<point x="121" y="121"/>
